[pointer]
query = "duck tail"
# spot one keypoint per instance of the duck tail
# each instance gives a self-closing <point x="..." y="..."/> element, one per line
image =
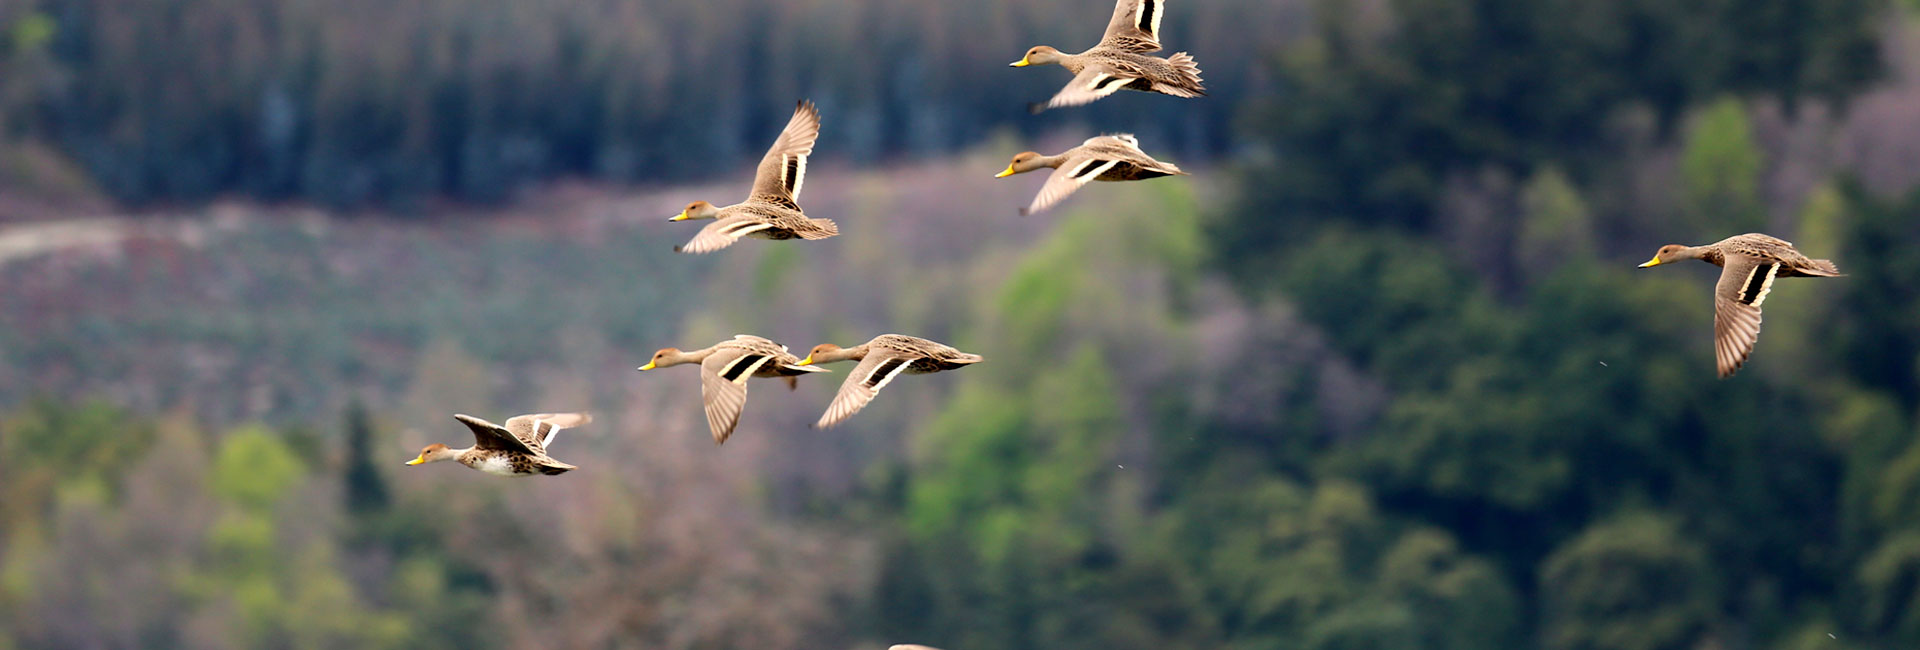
<point x="822" y="229"/>
<point x="1822" y="268"/>
<point x="1189" y="84"/>
<point x="966" y="357"/>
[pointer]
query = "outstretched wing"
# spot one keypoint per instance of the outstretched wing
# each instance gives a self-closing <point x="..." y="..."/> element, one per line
<point x="784" y="167"/>
<point x="1094" y="82"/>
<point x="1744" y="283"/>
<point x="487" y="435"/>
<point x="723" y="232"/>
<point x="1070" y="177"/>
<point x="537" y="430"/>
<point x="1135" y="26"/>
<point x="866" y="380"/>
<point x="723" y="386"/>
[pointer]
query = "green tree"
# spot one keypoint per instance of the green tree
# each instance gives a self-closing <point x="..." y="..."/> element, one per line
<point x="1720" y="169"/>
<point x="366" y="490"/>
<point x="1634" y="581"/>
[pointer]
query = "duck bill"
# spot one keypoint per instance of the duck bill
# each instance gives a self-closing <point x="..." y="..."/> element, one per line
<point x="678" y="217"/>
<point x="1652" y="262"/>
<point x="1005" y="173"/>
<point x="1023" y="62"/>
<point x="417" y="461"/>
<point x="807" y="361"/>
<point x="650" y="365"/>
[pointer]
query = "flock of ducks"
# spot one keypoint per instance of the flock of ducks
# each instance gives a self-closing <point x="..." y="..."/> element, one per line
<point x="1120" y="61"/>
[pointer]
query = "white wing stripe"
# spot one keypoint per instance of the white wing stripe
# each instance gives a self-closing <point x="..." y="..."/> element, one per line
<point x="744" y="229"/>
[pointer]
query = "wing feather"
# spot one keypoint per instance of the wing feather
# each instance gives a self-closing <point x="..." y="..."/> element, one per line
<point x="1744" y="282"/>
<point x="723" y="398"/>
<point x="783" y="170"/>
<point x="538" y="429"/>
<point x="1094" y="82"/>
<point x="1135" y="26"/>
<point x="1070" y="177"/>
<point x="861" y="385"/>
<point x="487" y="435"/>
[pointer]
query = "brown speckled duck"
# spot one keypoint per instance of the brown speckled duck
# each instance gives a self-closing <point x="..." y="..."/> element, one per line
<point x="1748" y="264"/>
<point x="517" y="449"/>
<point x="1103" y="158"/>
<point x="725" y="368"/>
<point x="1120" y="61"/>
<point x="882" y="359"/>
<point x="772" y="210"/>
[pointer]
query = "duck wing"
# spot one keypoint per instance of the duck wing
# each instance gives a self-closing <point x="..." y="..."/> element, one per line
<point x="1081" y="168"/>
<point x="1744" y="283"/>
<point x="866" y="380"/>
<point x="487" y="435"/>
<point x="784" y="168"/>
<point x="1095" y="81"/>
<point x="538" y="430"/>
<point x="1135" y="26"/>
<point x="723" y="385"/>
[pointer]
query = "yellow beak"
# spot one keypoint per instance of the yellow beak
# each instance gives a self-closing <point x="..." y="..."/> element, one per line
<point x="807" y="361"/>
<point x="678" y="217"/>
<point x="1004" y="174"/>
<point x="1019" y="64"/>
<point x="647" y="367"/>
<point x="417" y="461"/>
<point x="1652" y="262"/>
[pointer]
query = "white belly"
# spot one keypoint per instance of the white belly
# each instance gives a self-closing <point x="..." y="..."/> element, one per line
<point x="495" y="465"/>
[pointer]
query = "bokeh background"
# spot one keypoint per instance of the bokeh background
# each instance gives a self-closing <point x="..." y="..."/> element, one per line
<point x="1380" y="375"/>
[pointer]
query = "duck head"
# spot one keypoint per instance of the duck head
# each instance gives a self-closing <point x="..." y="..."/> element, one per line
<point x="433" y="453"/>
<point x="697" y="210"/>
<point x="1023" y="162"/>
<point x="1671" y="253"/>
<point x="668" y="357"/>
<point x="1039" y="55"/>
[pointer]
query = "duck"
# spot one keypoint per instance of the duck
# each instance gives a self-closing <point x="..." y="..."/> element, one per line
<point x="517" y="449"/>
<point x="910" y="646"/>
<point x="1120" y="60"/>
<point x="1748" y="264"/>
<point x="881" y="359"/>
<point x="772" y="208"/>
<point x="1114" y="157"/>
<point x="725" y="368"/>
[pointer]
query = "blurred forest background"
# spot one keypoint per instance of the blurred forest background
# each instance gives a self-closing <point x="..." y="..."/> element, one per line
<point x="1380" y="375"/>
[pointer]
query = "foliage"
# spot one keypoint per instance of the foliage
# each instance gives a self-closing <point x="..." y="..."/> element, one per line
<point x="346" y="105"/>
<point x="1720" y="166"/>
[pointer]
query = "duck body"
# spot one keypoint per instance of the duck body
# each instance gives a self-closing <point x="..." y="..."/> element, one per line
<point x="881" y="360"/>
<point x="1749" y="264"/>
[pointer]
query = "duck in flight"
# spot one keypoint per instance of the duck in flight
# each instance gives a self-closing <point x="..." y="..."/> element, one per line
<point x="881" y="359"/>
<point x="1120" y="60"/>
<point x="1748" y="264"/>
<point x="1103" y="158"/>
<point x="772" y="209"/>
<point x="517" y="449"/>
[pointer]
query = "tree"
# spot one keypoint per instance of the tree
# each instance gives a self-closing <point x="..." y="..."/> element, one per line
<point x="366" y="491"/>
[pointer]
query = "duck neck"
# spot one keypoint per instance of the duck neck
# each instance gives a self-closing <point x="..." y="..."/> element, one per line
<point x="854" y="353"/>
<point x="692" y="356"/>
<point x="1053" y="161"/>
